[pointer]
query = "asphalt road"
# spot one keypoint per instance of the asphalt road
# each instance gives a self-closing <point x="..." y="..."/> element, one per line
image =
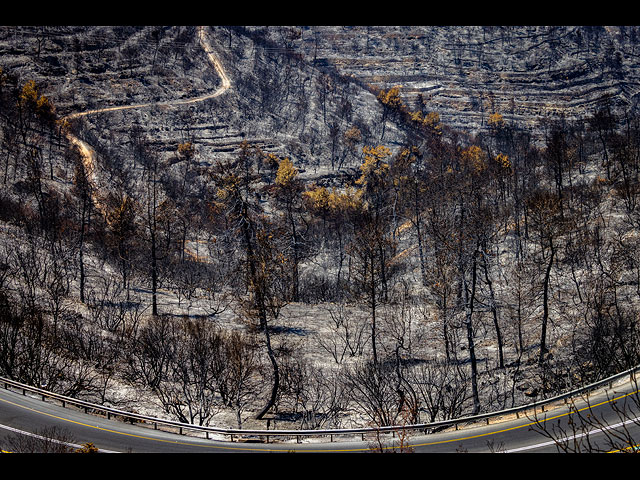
<point x="20" y="413"/>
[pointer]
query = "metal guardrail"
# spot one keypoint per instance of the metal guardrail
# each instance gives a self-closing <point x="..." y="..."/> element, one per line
<point x="182" y="428"/>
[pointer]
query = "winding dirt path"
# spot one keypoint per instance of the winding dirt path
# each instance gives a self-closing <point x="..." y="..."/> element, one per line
<point x="88" y="153"/>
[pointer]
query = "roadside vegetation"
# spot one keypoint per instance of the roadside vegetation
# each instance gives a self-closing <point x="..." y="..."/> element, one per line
<point x="428" y="275"/>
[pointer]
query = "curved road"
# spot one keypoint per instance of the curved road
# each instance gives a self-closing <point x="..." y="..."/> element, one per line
<point x="22" y="414"/>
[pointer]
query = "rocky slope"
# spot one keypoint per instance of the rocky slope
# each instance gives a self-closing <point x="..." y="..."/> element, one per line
<point x="528" y="74"/>
<point x="286" y="99"/>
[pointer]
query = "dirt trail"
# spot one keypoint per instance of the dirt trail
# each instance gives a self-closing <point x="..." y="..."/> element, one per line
<point x="88" y="154"/>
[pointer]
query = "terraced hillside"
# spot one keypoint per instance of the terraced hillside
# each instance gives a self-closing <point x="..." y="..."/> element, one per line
<point x="528" y="74"/>
<point x="256" y="227"/>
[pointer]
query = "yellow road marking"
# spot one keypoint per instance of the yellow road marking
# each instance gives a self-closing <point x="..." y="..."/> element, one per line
<point x="526" y="424"/>
<point x="321" y="450"/>
<point x="114" y="431"/>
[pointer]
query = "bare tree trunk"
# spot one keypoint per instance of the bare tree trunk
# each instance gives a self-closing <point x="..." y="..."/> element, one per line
<point x="373" y="313"/>
<point x="494" y="311"/>
<point x="545" y="306"/>
<point x="274" y="364"/>
<point x="262" y="311"/>
<point x="86" y="215"/>
<point x="469" y="325"/>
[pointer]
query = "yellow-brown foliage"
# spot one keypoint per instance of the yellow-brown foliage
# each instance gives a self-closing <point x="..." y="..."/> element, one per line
<point x="432" y="120"/>
<point x="317" y="198"/>
<point x="503" y="161"/>
<point x="373" y="166"/>
<point x="87" y="448"/>
<point x="416" y="117"/>
<point x="496" y="120"/>
<point x="31" y="98"/>
<point x="475" y="158"/>
<point x="286" y="173"/>
<point x="353" y="135"/>
<point x="391" y="98"/>
<point x="186" y="150"/>
<point x="333" y="202"/>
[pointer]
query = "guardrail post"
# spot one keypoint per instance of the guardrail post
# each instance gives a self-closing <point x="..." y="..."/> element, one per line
<point x="17" y="386"/>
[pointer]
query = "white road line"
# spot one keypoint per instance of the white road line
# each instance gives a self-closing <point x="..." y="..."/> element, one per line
<point x="572" y="437"/>
<point x="40" y="437"/>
